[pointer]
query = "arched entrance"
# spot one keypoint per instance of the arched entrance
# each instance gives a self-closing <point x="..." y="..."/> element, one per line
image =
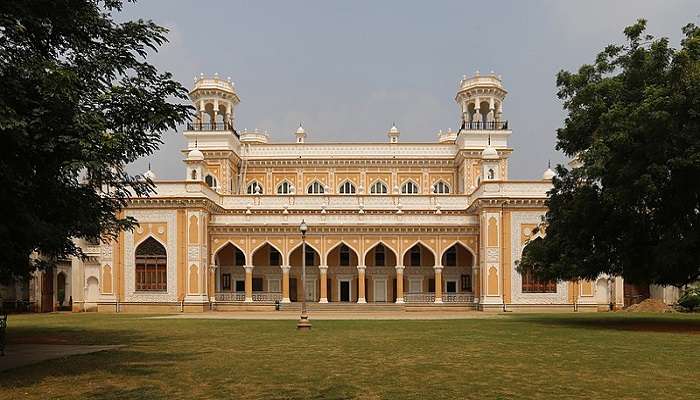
<point x="61" y="295"/>
<point x="267" y="274"/>
<point x="230" y="276"/>
<point x="313" y="260"/>
<point x="381" y="274"/>
<point x="419" y="262"/>
<point x="342" y="284"/>
<point x="457" y="286"/>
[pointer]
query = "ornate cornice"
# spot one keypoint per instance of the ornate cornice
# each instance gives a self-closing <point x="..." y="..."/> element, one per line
<point x="352" y="230"/>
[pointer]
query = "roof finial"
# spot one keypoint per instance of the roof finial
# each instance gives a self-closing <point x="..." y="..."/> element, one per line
<point x="489" y="140"/>
<point x="549" y="164"/>
<point x="149" y="165"/>
<point x="195" y="143"/>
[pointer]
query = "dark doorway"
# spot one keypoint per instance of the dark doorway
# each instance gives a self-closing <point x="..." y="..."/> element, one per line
<point x="292" y="289"/>
<point x="345" y="291"/>
<point x="47" y="291"/>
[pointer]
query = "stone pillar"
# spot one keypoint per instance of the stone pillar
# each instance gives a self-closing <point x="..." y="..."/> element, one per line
<point x="323" y="272"/>
<point x="361" y="284"/>
<point x="285" y="283"/>
<point x="248" y="284"/>
<point x="399" y="284"/>
<point x="212" y="285"/>
<point x="438" y="283"/>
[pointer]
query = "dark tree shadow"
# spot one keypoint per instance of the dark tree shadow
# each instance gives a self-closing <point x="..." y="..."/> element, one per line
<point x="683" y="324"/>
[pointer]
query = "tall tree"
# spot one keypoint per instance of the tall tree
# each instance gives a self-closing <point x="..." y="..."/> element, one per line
<point x="632" y="207"/>
<point x="79" y="101"/>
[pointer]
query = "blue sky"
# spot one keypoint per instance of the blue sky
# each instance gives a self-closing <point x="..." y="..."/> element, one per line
<point x="347" y="70"/>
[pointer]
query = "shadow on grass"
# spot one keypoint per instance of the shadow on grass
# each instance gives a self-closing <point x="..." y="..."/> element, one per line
<point x="682" y="324"/>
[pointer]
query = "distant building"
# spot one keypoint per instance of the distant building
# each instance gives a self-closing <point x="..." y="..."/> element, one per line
<point x="414" y="224"/>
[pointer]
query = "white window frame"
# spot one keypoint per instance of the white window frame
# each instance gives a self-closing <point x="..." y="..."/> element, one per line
<point x="285" y="187"/>
<point x="250" y="188"/>
<point x="415" y="188"/>
<point x="347" y="188"/>
<point x="441" y="187"/>
<point x="379" y="184"/>
<point x="315" y="188"/>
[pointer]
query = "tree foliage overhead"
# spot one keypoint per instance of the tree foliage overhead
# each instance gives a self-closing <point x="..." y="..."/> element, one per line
<point x="78" y="102"/>
<point x="632" y="208"/>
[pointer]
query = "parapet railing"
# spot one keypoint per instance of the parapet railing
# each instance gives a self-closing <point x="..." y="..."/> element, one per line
<point x="211" y="126"/>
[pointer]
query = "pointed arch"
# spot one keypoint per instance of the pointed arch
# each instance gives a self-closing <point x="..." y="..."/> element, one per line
<point x="409" y="186"/>
<point x="347" y="187"/>
<point x="460" y="242"/>
<point x="315" y="187"/>
<point x="235" y="247"/>
<point x="441" y="187"/>
<point x="344" y="259"/>
<point x="341" y="242"/>
<point x="273" y="247"/>
<point x="254" y="187"/>
<point x="151" y="266"/>
<point x="285" y="187"/>
<point x="421" y="242"/>
<point x="143" y="239"/>
<point x="373" y="247"/>
<point x="379" y="186"/>
<point x="384" y="243"/>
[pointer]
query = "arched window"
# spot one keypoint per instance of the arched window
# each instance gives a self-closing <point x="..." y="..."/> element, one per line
<point x="379" y="255"/>
<point x="255" y="188"/>
<point x="415" y="256"/>
<point x="491" y="174"/>
<point x="440" y="187"/>
<point x="344" y="255"/>
<point x="378" y="187"/>
<point x="315" y="188"/>
<point x="409" y="187"/>
<point x="284" y="188"/>
<point x="151" y="266"/>
<point x="210" y="181"/>
<point x="450" y="257"/>
<point x="347" y="188"/>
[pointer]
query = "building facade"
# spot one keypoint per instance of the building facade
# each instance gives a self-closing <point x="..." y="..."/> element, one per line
<point x="435" y="224"/>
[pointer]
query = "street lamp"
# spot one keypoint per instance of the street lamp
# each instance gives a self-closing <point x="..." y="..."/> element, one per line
<point x="304" y="323"/>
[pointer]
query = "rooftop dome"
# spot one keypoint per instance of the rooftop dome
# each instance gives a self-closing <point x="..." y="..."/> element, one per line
<point x="301" y="130"/>
<point x="548" y="174"/>
<point x="489" y="152"/>
<point x="149" y="174"/>
<point x="394" y="129"/>
<point x="195" y="155"/>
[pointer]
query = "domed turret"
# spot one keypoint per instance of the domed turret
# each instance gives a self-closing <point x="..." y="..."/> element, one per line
<point x="480" y="99"/>
<point x="548" y="174"/>
<point x="393" y="134"/>
<point x="195" y="155"/>
<point x="300" y="134"/>
<point x="149" y="174"/>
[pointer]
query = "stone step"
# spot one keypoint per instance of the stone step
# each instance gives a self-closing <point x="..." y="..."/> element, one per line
<point x="343" y="307"/>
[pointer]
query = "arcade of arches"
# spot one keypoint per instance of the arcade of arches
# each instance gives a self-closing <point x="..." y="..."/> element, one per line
<point x="341" y="273"/>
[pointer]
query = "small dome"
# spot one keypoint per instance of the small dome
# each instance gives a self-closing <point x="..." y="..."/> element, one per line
<point x="548" y="174"/>
<point x="394" y="129"/>
<point x="489" y="153"/>
<point x="301" y="130"/>
<point x="195" y="155"/>
<point x="149" y="174"/>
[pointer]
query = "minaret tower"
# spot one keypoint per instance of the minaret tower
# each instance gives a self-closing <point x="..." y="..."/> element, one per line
<point x="300" y="134"/>
<point x="393" y="134"/>
<point x="213" y="130"/>
<point x="482" y="128"/>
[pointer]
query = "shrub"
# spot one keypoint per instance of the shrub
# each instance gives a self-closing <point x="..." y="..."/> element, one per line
<point x="690" y="299"/>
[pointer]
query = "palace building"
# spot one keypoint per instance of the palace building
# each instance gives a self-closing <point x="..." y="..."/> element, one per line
<point x="408" y="225"/>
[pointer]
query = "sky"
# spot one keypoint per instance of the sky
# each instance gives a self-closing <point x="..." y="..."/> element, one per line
<point x="347" y="70"/>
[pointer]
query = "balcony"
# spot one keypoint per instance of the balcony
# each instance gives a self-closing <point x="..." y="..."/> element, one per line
<point x="211" y="126"/>
<point x="486" y="126"/>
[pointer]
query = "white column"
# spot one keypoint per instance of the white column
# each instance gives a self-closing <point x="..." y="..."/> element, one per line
<point x="361" y="284"/>
<point x="285" y="283"/>
<point x="248" y="283"/>
<point x="399" y="284"/>
<point x="438" y="283"/>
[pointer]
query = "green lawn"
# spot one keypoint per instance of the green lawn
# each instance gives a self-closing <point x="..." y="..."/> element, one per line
<point x="591" y="356"/>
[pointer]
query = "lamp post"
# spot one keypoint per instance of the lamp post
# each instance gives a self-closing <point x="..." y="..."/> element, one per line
<point x="304" y="323"/>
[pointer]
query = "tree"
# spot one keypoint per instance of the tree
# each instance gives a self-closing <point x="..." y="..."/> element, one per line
<point x="78" y="102"/>
<point x="632" y="207"/>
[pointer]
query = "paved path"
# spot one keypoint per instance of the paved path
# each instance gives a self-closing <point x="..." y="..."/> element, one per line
<point x="333" y="315"/>
<point x="18" y="355"/>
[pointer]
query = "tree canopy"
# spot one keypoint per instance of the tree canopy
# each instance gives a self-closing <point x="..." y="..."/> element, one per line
<point x="79" y="101"/>
<point x="631" y="207"/>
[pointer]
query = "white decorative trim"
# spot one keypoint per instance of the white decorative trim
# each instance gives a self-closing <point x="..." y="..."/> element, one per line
<point x="193" y="253"/>
<point x="517" y="296"/>
<point x="131" y="295"/>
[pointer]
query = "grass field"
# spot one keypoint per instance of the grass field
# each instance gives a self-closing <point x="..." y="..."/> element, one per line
<point x="587" y="356"/>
